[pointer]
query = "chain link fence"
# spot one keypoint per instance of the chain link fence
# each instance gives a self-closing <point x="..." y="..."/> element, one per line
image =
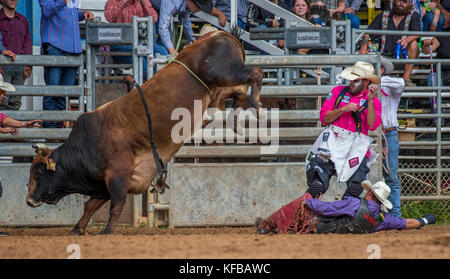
<point x="424" y="185"/>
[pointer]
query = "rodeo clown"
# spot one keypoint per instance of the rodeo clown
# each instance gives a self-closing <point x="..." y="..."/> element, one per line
<point x="342" y="149"/>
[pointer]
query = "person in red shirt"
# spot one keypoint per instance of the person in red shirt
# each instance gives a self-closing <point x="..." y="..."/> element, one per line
<point x="343" y="147"/>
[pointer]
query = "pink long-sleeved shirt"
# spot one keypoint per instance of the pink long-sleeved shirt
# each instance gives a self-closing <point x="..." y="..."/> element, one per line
<point x="117" y="11"/>
<point x="346" y="121"/>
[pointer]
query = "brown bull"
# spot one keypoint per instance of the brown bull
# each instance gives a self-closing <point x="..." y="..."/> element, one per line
<point x="108" y="154"/>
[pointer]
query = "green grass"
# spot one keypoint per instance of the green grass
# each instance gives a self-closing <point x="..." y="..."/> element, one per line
<point x="415" y="209"/>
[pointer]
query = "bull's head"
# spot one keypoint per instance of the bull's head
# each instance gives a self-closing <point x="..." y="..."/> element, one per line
<point x="40" y="188"/>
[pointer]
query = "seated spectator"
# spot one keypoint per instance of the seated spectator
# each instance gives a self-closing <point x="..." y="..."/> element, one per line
<point x="120" y="11"/>
<point x="346" y="8"/>
<point x="167" y="9"/>
<point x="16" y="39"/>
<point x="444" y="8"/>
<point x="402" y="18"/>
<point x="301" y="8"/>
<point x="224" y="6"/>
<point x="257" y="17"/>
<point x="431" y="18"/>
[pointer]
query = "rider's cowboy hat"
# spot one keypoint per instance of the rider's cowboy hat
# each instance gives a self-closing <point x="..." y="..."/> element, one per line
<point x="380" y="190"/>
<point x="204" y="5"/>
<point x="361" y="70"/>
<point x="5" y="86"/>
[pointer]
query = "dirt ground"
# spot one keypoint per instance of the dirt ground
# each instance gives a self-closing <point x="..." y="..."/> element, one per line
<point x="216" y="243"/>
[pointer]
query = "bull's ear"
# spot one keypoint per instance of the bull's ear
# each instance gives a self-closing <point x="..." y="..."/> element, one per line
<point x="50" y="164"/>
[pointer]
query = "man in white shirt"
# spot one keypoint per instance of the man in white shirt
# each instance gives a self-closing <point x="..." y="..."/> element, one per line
<point x="392" y="90"/>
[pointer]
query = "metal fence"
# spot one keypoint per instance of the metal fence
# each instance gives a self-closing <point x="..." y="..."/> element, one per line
<point x="425" y="148"/>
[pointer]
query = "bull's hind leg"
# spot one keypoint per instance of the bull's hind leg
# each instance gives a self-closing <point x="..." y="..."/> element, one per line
<point x="118" y="193"/>
<point x="90" y="207"/>
<point x="255" y="82"/>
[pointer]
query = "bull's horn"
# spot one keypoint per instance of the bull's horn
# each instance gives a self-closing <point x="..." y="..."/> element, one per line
<point x="39" y="146"/>
<point x="42" y="147"/>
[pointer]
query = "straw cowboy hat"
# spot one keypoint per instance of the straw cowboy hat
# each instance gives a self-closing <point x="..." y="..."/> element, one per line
<point x="361" y="70"/>
<point x="380" y="190"/>
<point x="5" y="85"/>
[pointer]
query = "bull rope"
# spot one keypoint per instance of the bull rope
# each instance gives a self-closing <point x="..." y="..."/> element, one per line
<point x="160" y="166"/>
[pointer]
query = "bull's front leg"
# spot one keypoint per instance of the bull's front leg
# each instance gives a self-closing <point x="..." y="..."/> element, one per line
<point x="118" y="193"/>
<point x="90" y="207"/>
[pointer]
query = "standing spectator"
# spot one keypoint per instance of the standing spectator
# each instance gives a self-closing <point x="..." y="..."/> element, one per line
<point x="122" y="11"/>
<point x="60" y="35"/>
<point x="9" y="125"/>
<point x="16" y="38"/>
<point x="167" y="9"/>
<point x="402" y="18"/>
<point x="224" y="6"/>
<point x="392" y="90"/>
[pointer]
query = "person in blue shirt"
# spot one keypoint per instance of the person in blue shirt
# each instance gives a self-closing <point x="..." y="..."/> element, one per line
<point x="224" y="6"/>
<point x="60" y="35"/>
<point x="167" y="9"/>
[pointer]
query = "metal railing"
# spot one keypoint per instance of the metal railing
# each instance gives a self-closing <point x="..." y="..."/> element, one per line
<point x="41" y="134"/>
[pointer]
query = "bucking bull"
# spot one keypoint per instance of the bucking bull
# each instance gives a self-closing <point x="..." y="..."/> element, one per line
<point x="108" y="152"/>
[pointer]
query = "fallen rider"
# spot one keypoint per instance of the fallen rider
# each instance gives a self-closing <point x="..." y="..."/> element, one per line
<point x="350" y="215"/>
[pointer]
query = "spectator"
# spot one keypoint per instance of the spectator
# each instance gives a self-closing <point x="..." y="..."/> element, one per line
<point x="122" y="11"/>
<point x="440" y="45"/>
<point x="257" y="17"/>
<point x="319" y="12"/>
<point x="301" y="8"/>
<point x="60" y="35"/>
<point x="444" y="8"/>
<point x="183" y="8"/>
<point x="392" y="90"/>
<point x="16" y="38"/>
<point x="432" y="20"/>
<point x="9" y="125"/>
<point x="224" y="6"/>
<point x="402" y="18"/>
<point x="348" y="216"/>
<point x="348" y="10"/>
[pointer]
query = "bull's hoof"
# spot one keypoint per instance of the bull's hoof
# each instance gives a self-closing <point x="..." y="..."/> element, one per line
<point x="105" y="232"/>
<point x="76" y="231"/>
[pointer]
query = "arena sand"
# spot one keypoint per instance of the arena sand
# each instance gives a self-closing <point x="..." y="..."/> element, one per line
<point x="431" y="242"/>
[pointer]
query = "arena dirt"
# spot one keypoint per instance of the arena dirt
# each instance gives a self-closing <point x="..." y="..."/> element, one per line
<point x="183" y="243"/>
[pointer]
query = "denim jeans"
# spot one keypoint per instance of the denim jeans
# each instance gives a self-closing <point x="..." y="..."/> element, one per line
<point x="57" y="76"/>
<point x="157" y="48"/>
<point x="392" y="179"/>
<point x="353" y="18"/>
<point x="428" y="18"/>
